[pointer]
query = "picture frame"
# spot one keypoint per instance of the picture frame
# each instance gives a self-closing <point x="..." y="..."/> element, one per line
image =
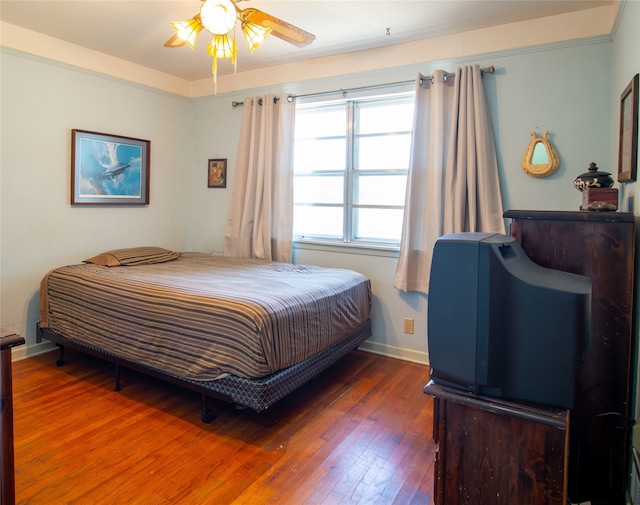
<point x="217" y="173"/>
<point x="628" y="147"/>
<point x="109" y="169"/>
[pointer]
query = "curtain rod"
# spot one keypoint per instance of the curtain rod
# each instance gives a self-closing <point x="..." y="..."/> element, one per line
<point x="290" y="98"/>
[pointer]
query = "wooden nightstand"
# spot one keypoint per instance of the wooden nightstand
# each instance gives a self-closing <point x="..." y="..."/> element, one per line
<point x="8" y="340"/>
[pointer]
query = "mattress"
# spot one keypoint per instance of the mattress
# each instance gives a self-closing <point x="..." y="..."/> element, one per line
<point x="204" y="317"/>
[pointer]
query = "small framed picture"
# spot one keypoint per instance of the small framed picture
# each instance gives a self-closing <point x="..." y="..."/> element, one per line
<point x="628" y="149"/>
<point x="217" y="174"/>
<point x="109" y="169"/>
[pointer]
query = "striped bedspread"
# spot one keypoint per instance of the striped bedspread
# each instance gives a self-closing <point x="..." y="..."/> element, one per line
<point x="201" y="317"/>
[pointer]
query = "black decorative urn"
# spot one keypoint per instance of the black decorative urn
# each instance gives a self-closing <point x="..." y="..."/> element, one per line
<point x="593" y="179"/>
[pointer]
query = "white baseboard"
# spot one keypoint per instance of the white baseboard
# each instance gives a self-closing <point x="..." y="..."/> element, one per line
<point x="395" y="352"/>
<point x="24" y="352"/>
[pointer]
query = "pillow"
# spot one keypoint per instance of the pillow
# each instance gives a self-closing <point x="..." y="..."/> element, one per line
<point x="133" y="256"/>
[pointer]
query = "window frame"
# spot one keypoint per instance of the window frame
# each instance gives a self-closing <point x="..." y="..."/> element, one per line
<point x="350" y="173"/>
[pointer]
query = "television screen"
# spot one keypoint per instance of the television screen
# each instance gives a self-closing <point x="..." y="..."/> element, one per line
<point x="500" y="325"/>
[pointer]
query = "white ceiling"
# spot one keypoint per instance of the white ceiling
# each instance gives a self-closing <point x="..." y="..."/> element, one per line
<point x="135" y="30"/>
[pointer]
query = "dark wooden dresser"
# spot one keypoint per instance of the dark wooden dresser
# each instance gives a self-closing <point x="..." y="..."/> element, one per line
<point x="8" y="340"/>
<point x="601" y="246"/>
<point x="496" y="452"/>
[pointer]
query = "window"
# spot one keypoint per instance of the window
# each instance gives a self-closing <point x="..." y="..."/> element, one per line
<point x="350" y="169"/>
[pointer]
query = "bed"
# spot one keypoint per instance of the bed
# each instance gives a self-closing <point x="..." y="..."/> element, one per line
<point x="244" y="331"/>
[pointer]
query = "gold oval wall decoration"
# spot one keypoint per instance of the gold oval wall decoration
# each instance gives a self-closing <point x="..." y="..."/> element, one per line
<point x="540" y="159"/>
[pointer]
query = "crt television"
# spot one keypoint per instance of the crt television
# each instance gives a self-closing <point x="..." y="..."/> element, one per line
<point x="500" y="325"/>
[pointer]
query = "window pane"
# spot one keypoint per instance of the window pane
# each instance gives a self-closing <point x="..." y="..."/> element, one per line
<point x="350" y="169"/>
<point x="325" y="122"/>
<point x="383" y="152"/>
<point x="317" y="221"/>
<point x="318" y="189"/>
<point x="325" y="154"/>
<point x="377" y="224"/>
<point x="386" y="117"/>
<point x="384" y="189"/>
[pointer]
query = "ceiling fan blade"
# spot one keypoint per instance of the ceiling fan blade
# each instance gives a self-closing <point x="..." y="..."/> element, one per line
<point x="281" y="29"/>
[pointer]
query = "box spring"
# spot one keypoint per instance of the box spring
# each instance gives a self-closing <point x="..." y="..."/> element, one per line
<point x="257" y="394"/>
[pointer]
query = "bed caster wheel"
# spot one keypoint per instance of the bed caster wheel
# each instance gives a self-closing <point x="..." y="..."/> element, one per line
<point x="59" y="361"/>
<point x="207" y="416"/>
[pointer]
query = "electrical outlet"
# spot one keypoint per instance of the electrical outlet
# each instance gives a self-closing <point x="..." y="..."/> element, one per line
<point x="408" y="325"/>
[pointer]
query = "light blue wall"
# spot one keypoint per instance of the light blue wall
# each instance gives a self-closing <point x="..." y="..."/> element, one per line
<point x="625" y="64"/>
<point x="40" y="104"/>
<point x="543" y="88"/>
<point x="565" y="89"/>
<point x="561" y="91"/>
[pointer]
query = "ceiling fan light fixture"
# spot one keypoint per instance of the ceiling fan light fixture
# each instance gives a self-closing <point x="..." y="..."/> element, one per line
<point x="218" y="16"/>
<point x="254" y="34"/>
<point x="187" y="31"/>
<point x="222" y="46"/>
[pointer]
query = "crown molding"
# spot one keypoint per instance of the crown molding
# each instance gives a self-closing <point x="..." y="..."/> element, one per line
<point x="586" y="26"/>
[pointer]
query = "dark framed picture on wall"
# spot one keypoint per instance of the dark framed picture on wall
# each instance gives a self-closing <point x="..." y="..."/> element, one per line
<point x="628" y="149"/>
<point x="109" y="169"/>
<point x="217" y="173"/>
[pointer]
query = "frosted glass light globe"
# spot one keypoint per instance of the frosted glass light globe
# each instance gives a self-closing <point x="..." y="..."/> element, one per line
<point x="218" y="16"/>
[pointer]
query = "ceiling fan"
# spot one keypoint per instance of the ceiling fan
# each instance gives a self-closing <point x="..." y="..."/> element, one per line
<point x="220" y="17"/>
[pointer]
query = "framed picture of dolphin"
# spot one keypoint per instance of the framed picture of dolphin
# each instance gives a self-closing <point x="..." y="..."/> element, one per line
<point x="109" y="169"/>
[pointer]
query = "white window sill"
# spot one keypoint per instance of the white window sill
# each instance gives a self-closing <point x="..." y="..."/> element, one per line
<point x="360" y="249"/>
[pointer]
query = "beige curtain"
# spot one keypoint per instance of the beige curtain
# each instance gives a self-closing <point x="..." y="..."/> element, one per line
<point x="472" y="187"/>
<point x="453" y="181"/>
<point x="260" y="215"/>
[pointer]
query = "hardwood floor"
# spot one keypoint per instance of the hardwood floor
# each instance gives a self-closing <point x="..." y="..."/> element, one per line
<point x="361" y="433"/>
